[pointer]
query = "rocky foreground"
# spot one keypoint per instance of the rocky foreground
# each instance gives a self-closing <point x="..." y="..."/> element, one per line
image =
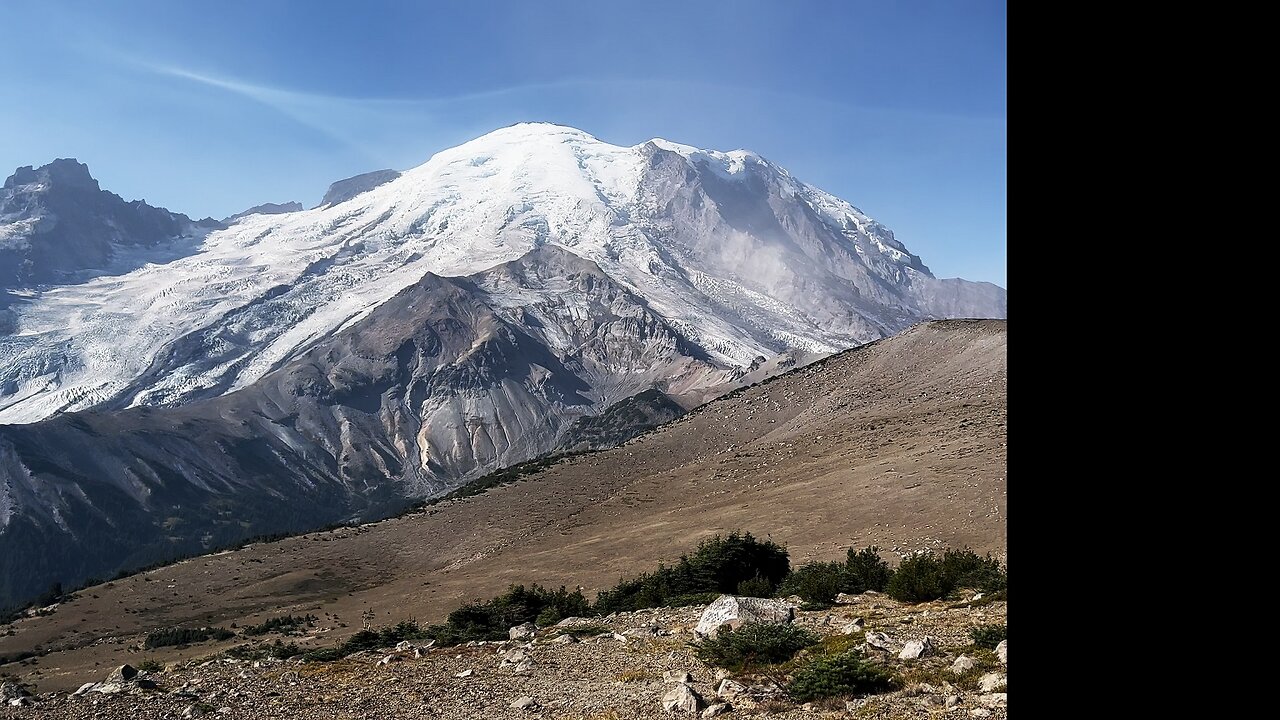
<point x="629" y="665"/>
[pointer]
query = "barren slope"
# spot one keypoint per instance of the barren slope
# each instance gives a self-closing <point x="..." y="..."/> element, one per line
<point x="900" y="443"/>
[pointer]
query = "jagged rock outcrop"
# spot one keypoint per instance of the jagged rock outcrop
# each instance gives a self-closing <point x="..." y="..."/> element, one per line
<point x="266" y="209"/>
<point x="343" y="190"/>
<point x="57" y="226"/>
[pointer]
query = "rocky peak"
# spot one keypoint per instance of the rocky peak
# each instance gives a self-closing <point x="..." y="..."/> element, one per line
<point x="344" y="190"/>
<point x="61" y="173"/>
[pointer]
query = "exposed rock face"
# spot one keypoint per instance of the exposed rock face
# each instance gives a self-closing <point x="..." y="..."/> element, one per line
<point x="344" y="190"/>
<point x="266" y="209"/>
<point x="735" y="612"/>
<point x="620" y="422"/>
<point x="58" y="226"/>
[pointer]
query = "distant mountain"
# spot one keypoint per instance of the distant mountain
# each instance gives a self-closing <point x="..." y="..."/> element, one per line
<point x="57" y="226"/>
<point x="344" y="190"/>
<point x="308" y="367"/>
<point x="266" y="209"/>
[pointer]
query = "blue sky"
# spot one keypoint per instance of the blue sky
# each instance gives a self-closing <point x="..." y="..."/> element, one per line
<point x="209" y="108"/>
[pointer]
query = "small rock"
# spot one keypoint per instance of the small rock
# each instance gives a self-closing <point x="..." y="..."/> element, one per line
<point x="387" y="660"/>
<point x="846" y="599"/>
<point x="952" y="701"/>
<point x="963" y="664"/>
<point x="677" y="676"/>
<point x="979" y="712"/>
<point x="404" y="646"/>
<point x="994" y="699"/>
<point x="525" y="665"/>
<point x="619" y="638"/>
<point x="851" y="705"/>
<point x="84" y="689"/>
<point x="525" y="703"/>
<point x="716" y="710"/>
<point x="565" y="639"/>
<point x="916" y="649"/>
<point x="522" y="631"/>
<point x="976" y="596"/>
<point x="1001" y="651"/>
<point x="794" y="599"/>
<point x="730" y="689"/>
<point x="682" y="699"/>
<point x="465" y="674"/>
<point x="853" y="627"/>
<point x="194" y="710"/>
<point x="992" y="682"/>
<point x="879" y="640"/>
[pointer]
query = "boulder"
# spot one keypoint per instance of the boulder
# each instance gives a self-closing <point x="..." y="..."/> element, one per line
<point x="681" y="699"/>
<point x="565" y="639"/>
<point x="916" y="649"/>
<point x="736" y="611"/>
<point x="677" y="676"/>
<point x="979" y="712"/>
<point x="1001" y="651"/>
<point x="404" y="646"/>
<point x="122" y="674"/>
<point x="716" y="710"/>
<point x="522" y="631"/>
<point x="992" y="682"/>
<point x="846" y="599"/>
<point x="879" y="640"/>
<point x="12" y="691"/>
<point x="962" y="665"/>
<point x="525" y="665"/>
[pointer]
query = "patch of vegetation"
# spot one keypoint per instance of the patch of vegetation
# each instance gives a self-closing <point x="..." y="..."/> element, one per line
<point x="989" y="636"/>
<point x="371" y="640"/>
<point x="719" y="565"/>
<point x="288" y="625"/>
<point x="929" y="576"/>
<point x="847" y="673"/>
<point x="185" y="636"/>
<point x="968" y="569"/>
<point x="866" y="570"/>
<point x="817" y="583"/>
<point x="278" y="650"/>
<point x="632" y="675"/>
<point x="150" y="666"/>
<point x="754" y="646"/>
<point x="758" y="586"/>
<point x="492" y="619"/>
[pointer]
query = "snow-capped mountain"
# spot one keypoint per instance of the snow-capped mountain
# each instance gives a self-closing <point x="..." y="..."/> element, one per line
<point x="740" y="258"/>
<point x="302" y="368"/>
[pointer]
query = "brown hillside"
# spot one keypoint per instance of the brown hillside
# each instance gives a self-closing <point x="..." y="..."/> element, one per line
<point x="900" y="444"/>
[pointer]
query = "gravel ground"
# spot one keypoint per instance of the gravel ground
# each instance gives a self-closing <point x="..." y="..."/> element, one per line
<point x="598" y="678"/>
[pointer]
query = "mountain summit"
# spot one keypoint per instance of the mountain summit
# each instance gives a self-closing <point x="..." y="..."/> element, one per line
<point x="741" y="259"/>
